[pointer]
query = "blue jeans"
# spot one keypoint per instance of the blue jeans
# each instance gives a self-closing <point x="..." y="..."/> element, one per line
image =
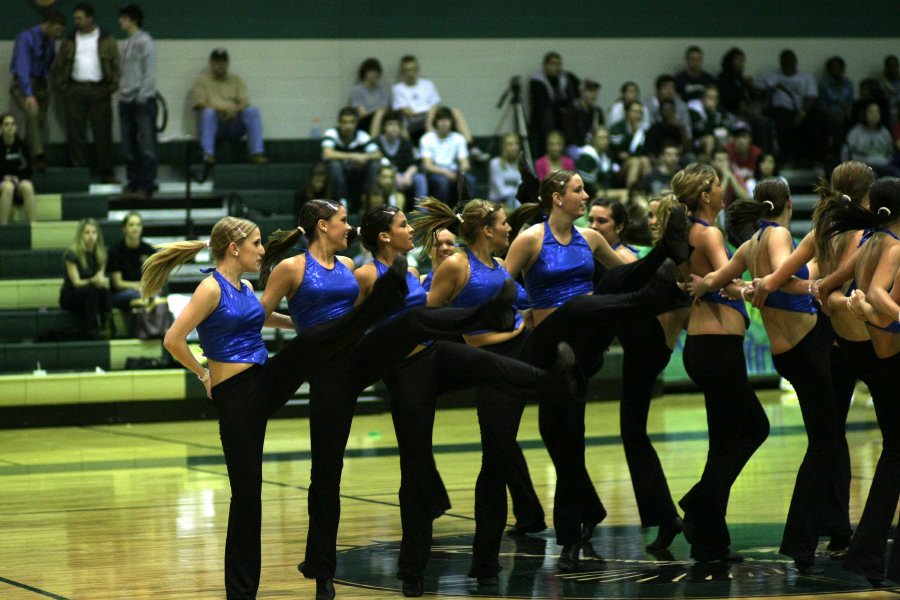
<point x="440" y="187"/>
<point x="349" y="180"/>
<point x="138" y="125"/>
<point x="248" y="122"/>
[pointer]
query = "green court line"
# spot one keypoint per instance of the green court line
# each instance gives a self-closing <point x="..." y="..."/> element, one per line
<point x="33" y="589"/>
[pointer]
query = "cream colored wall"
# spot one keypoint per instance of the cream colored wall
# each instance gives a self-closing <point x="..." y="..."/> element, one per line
<point x="295" y="82"/>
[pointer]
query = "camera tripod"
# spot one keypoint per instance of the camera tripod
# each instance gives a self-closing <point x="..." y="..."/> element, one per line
<point x="513" y="108"/>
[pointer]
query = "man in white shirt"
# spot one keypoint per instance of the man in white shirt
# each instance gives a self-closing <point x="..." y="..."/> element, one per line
<point x="445" y="158"/>
<point x="417" y="99"/>
<point x="352" y="158"/>
<point x="86" y="73"/>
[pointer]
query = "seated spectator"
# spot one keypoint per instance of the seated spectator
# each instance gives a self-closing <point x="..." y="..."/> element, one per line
<point x="383" y="190"/>
<point x="504" y="171"/>
<point x="691" y="81"/>
<point x="792" y="96"/>
<point x="743" y="152"/>
<point x="584" y="117"/>
<point x="870" y="142"/>
<point x="890" y="83"/>
<point x="733" y="187"/>
<point x="836" y="101"/>
<point x="318" y="187"/>
<point x="628" y="93"/>
<point x="223" y="103"/>
<point x="627" y="142"/>
<point x="15" y="170"/>
<point x="596" y="164"/>
<point x="85" y="289"/>
<point x="870" y="91"/>
<point x="665" y="90"/>
<point x="370" y="97"/>
<point x="766" y="167"/>
<point x="397" y="150"/>
<point x="665" y="166"/>
<point x="352" y="158"/>
<point x="670" y="130"/>
<point x="709" y="123"/>
<point x="125" y="259"/>
<point x="739" y="96"/>
<point x="445" y="157"/>
<point x="552" y="92"/>
<point x="554" y="159"/>
<point x="418" y="100"/>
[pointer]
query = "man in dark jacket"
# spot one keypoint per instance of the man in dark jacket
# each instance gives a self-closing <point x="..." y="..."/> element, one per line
<point x="552" y="93"/>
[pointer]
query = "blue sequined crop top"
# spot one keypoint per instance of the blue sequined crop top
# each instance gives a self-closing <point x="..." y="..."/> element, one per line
<point x="717" y="298"/>
<point x="232" y="332"/>
<point x="801" y="303"/>
<point x="561" y="272"/>
<point x="484" y="283"/>
<point x="324" y="294"/>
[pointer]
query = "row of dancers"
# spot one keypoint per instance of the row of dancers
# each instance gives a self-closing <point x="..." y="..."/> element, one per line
<point x="459" y="329"/>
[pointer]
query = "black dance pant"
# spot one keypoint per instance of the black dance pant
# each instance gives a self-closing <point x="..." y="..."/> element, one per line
<point x="244" y="404"/>
<point x="414" y="386"/>
<point x="737" y="426"/>
<point x="868" y="548"/>
<point x="815" y="499"/>
<point x="526" y="505"/>
<point x="334" y="390"/>
<point x="90" y="306"/>
<point x="646" y="354"/>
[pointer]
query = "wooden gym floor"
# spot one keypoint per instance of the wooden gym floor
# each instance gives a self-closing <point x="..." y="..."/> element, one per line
<point x="140" y="511"/>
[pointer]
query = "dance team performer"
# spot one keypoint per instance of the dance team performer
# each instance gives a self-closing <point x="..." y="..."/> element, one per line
<point x="714" y="360"/>
<point x="320" y="286"/>
<point x="800" y="341"/>
<point x="244" y="383"/>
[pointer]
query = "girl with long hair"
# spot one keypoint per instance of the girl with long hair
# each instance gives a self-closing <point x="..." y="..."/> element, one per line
<point x="85" y="290"/>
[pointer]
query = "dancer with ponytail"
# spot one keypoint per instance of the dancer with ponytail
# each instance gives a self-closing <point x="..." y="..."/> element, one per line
<point x="244" y="383"/>
<point x="610" y="219"/>
<point x="714" y="360"/>
<point x="320" y="287"/>
<point x="800" y="342"/>
<point x="851" y="356"/>
<point x="465" y="279"/>
<point x="647" y="344"/>
<point x="876" y="271"/>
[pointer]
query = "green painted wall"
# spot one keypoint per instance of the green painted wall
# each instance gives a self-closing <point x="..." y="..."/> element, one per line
<point x="388" y="19"/>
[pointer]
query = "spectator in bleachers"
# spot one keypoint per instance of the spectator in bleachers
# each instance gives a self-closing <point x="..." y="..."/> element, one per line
<point x="627" y="143"/>
<point x="709" y="123"/>
<point x="596" y="163"/>
<point x="85" y="290"/>
<point x="445" y="157"/>
<point x="691" y="81"/>
<point x="665" y="90"/>
<point x="124" y="267"/>
<point x="86" y="73"/>
<point x="766" y="166"/>
<point x="870" y="141"/>
<point x="383" y="190"/>
<point x="32" y="57"/>
<point x="224" y="110"/>
<point x="871" y="91"/>
<point x="890" y="83"/>
<point x="137" y="105"/>
<point x="352" y="158"/>
<point x="665" y="165"/>
<point x="397" y="150"/>
<point x="370" y="96"/>
<point x="739" y="96"/>
<point x="552" y="92"/>
<point x="734" y="188"/>
<point x="743" y="152"/>
<point x="317" y="187"/>
<point x="15" y="171"/>
<point x="669" y="130"/>
<point x="792" y="97"/>
<point x="836" y="101"/>
<point x="584" y="117"/>
<point x="418" y="100"/>
<point x="629" y="92"/>
<point x="555" y="158"/>
<point x="504" y="178"/>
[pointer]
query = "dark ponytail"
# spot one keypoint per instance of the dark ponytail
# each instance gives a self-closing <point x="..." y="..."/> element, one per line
<point x="633" y="221"/>
<point x="280" y="241"/>
<point x="376" y="221"/>
<point x="468" y="223"/>
<point x="770" y="198"/>
<point x="884" y="208"/>
<point x="850" y="182"/>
